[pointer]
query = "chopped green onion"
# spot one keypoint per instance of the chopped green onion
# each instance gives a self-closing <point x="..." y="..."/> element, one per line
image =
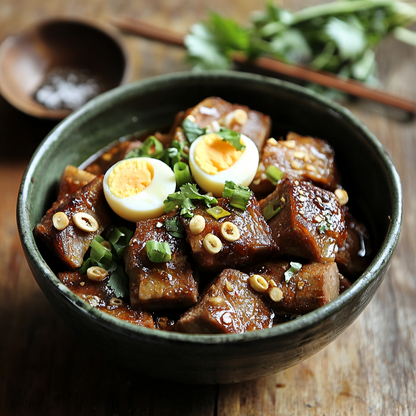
<point x="271" y="209"/>
<point x="294" y="268"/>
<point x="150" y="145"/>
<point x="182" y="173"/>
<point x="240" y="199"/>
<point x="239" y="194"/>
<point x="120" y="238"/>
<point x="99" y="254"/>
<point x="218" y="212"/>
<point x="158" y="252"/>
<point x="85" y="265"/>
<point x="325" y="225"/>
<point x="274" y="174"/>
<point x="181" y="149"/>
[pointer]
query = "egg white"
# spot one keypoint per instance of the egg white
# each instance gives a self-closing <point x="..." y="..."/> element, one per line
<point x="147" y="203"/>
<point x="241" y="172"/>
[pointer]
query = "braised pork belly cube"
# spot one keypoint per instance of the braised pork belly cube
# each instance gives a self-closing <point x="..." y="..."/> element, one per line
<point x="304" y="290"/>
<point x="164" y="285"/>
<point x="116" y="153"/>
<point x="355" y="255"/>
<point x="72" y="222"/>
<point x="237" y="240"/>
<point x="306" y="221"/>
<point x="253" y="124"/>
<point x="101" y="296"/>
<point x="300" y="158"/>
<point x="72" y="180"/>
<point x="228" y="306"/>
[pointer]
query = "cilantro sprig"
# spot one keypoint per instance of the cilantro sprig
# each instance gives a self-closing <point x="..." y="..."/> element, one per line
<point x="153" y="148"/>
<point x="110" y="259"/>
<point x="175" y="227"/>
<point x="231" y="136"/>
<point x="339" y="36"/>
<point x="184" y="197"/>
<point x="192" y="131"/>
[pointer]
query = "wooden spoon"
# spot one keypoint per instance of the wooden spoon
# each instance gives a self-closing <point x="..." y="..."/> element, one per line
<point x="73" y="44"/>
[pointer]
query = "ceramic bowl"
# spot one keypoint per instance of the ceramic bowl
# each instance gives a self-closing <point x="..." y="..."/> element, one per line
<point x="367" y="171"/>
<point x="63" y="47"/>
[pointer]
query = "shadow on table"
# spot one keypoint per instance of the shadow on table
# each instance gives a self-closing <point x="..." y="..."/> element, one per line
<point x="47" y="369"/>
<point x="20" y="134"/>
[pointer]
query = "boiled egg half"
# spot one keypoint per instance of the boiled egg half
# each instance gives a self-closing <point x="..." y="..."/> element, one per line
<point x="136" y="188"/>
<point x="214" y="161"/>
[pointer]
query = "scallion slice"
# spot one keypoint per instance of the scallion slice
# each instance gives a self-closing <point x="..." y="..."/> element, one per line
<point x="240" y="198"/>
<point x="119" y="239"/>
<point x="182" y="173"/>
<point x="294" y="268"/>
<point x="218" y="212"/>
<point x="239" y="194"/>
<point x="274" y="174"/>
<point x="100" y="254"/>
<point x="158" y="252"/>
<point x="150" y="145"/>
<point x="271" y="209"/>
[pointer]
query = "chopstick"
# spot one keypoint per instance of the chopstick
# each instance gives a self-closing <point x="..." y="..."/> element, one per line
<point x="299" y="72"/>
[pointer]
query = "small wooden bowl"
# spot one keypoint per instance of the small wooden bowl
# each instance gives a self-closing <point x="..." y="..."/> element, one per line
<point x="73" y="44"/>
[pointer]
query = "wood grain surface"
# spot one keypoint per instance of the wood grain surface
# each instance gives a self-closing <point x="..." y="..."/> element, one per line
<point x="46" y="369"/>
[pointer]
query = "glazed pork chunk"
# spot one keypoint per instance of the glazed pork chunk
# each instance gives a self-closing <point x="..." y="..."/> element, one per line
<point x="251" y="123"/>
<point x="100" y="295"/>
<point x="240" y="239"/>
<point x="300" y="158"/>
<point x="228" y="306"/>
<point x="305" y="290"/>
<point x="165" y="285"/>
<point x="306" y="221"/>
<point x="72" y="180"/>
<point x="73" y="221"/>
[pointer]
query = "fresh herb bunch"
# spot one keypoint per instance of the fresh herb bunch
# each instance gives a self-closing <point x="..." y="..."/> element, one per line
<point x="338" y="37"/>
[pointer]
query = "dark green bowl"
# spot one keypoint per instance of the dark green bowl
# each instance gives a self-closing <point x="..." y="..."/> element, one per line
<point x="368" y="174"/>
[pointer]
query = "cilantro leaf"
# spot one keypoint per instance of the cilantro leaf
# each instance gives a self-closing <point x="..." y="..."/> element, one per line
<point x="203" y="49"/>
<point x="175" y="227"/>
<point x="232" y="137"/>
<point x="191" y="130"/>
<point x="110" y="260"/>
<point x="119" y="282"/>
<point x="183" y="200"/>
<point x="348" y="35"/>
<point x="211" y="43"/>
<point x="339" y="37"/>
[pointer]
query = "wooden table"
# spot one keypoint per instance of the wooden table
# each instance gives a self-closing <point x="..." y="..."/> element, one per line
<point x="45" y="369"/>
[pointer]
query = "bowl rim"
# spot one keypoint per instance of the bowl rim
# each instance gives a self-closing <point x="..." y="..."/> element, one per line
<point x="10" y="41"/>
<point x="301" y="323"/>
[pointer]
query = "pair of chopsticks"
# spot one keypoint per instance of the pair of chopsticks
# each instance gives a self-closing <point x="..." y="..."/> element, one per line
<point x="355" y="88"/>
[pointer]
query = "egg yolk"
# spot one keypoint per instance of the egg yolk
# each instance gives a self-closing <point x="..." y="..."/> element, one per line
<point x="213" y="154"/>
<point x="130" y="177"/>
